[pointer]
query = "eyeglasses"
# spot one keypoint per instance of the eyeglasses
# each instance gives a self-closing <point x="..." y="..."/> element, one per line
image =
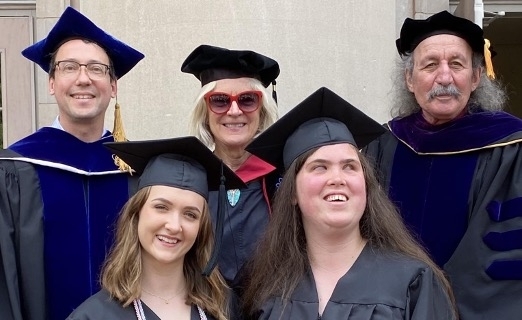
<point x="95" y="70"/>
<point x="220" y="102"/>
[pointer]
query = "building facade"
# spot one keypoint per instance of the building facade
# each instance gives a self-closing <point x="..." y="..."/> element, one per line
<point x="347" y="46"/>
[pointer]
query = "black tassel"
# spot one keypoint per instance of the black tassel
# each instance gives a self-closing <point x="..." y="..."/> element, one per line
<point x="218" y="234"/>
<point x="274" y="93"/>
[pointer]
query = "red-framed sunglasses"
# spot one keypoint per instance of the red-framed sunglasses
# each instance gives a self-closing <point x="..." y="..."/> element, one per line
<point x="220" y="102"/>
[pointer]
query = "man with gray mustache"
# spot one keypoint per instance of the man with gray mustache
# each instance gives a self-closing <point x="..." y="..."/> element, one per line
<point x="449" y="90"/>
<point x="452" y="163"/>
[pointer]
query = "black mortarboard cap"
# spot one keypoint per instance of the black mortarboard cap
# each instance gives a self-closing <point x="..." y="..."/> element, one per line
<point x="72" y="24"/>
<point x="184" y="163"/>
<point x="210" y="63"/>
<point x="414" y="31"/>
<point x="321" y="119"/>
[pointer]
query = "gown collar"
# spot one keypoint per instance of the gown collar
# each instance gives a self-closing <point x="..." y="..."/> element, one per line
<point x="470" y="132"/>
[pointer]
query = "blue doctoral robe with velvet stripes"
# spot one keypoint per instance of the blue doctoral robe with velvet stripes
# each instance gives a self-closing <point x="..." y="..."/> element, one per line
<point x="59" y="201"/>
<point x="459" y="188"/>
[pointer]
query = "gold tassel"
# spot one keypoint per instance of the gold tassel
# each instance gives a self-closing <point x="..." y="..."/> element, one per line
<point x="487" y="57"/>
<point x="119" y="136"/>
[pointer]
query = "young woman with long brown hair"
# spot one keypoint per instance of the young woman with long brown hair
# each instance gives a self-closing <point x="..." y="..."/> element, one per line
<point x="164" y="238"/>
<point x="336" y="247"/>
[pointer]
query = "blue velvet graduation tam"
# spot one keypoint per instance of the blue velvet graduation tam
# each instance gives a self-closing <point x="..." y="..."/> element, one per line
<point x="323" y="118"/>
<point x="73" y="25"/>
<point x="210" y="63"/>
<point x="414" y="31"/>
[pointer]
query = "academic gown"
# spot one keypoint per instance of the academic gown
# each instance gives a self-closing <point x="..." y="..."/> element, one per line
<point x="459" y="187"/>
<point x="379" y="286"/>
<point x="248" y="211"/>
<point x="101" y="307"/>
<point x="59" y="199"/>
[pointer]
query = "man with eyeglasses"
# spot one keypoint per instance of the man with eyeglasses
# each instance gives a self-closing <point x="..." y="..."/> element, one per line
<point x="60" y="190"/>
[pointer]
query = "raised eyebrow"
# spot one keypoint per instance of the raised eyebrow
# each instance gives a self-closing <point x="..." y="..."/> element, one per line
<point x="160" y="199"/>
<point x="326" y="161"/>
<point x="163" y="200"/>
<point x="321" y="161"/>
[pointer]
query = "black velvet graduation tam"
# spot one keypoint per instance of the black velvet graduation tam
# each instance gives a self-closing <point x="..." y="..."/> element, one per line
<point x="210" y="63"/>
<point x="322" y="119"/>
<point x="184" y="163"/>
<point x="414" y="31"/>
<point x="73" y="25"/>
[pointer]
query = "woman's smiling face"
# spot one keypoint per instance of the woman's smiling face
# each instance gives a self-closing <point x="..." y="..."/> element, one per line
<point x="169" y="224"/>
<point x="233" y="129"/>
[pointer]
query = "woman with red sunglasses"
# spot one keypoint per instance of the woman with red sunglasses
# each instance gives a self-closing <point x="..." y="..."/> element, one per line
<point x="232" y="107"/>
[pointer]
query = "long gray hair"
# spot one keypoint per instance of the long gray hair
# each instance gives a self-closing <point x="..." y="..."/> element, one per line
<point x="489" y="95"/>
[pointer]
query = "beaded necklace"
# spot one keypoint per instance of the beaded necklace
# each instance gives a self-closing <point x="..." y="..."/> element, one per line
<point x="138" y="308"/>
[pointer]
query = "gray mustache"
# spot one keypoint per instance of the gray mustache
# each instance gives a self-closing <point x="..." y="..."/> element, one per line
<point x="449" y="90"/>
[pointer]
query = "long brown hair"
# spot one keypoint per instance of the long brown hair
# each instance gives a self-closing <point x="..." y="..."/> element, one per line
<point x="282" y="253"/>
<point x="122" y="270"/>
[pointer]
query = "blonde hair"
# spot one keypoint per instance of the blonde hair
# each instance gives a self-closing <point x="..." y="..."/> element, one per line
<point x="122" y="270"/>
<point x="199" y="126"/>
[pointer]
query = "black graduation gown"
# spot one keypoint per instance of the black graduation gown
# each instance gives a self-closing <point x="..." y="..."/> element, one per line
<point x="22" y="288"/>
<point x="462" y="180"/>
<point x="101" y="307"/>
<point x="246" y="218"/>
<point x="379" y="286"/>
<point x="59" y="199"/>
